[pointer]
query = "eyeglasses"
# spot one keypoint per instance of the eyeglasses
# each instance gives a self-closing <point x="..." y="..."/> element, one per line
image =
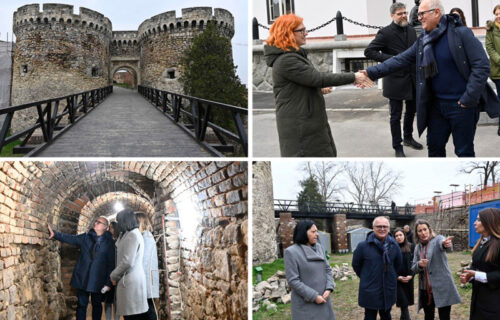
<point x="382" y="227"/>
<point x="100" y="222"/>
<point x="303" y="30"/>
<point x="404" y="13"/>
<point x="422" y="13"/>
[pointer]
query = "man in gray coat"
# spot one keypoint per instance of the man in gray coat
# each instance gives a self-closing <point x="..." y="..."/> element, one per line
<point x="309" y="275"/>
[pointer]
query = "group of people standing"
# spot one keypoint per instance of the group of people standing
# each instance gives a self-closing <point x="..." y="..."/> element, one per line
<point x="118" y="266"/>
<point x="387" y="264"/>
<point x="416" y="70"/>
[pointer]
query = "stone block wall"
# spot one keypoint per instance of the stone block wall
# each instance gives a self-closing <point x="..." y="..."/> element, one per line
<point x="35" y="271"/>
<point x="339" y="232"/>
<point x="265" y="249"/>
<point x="286" y="227"/>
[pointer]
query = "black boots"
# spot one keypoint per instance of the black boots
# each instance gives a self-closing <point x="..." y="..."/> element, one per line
<point x="410" y="142"/>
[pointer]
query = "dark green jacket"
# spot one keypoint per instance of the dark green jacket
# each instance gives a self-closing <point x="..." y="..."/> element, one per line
<point x="493" y="48"/>
<point x="301" y="118"/>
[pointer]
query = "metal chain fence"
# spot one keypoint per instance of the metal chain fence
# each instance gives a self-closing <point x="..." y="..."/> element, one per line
<point x="332" y="20"/>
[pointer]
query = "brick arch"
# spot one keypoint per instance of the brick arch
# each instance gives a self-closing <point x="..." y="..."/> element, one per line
<point x="131" y="67"/>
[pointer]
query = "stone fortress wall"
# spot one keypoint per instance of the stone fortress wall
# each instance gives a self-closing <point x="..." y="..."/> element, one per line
<point x="59" y="52"/>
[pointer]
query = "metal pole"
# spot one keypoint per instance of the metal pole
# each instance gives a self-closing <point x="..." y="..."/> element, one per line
<point x="255" y="29"/>
<point x="475" y="13"/>
<point x="340" y="27"/>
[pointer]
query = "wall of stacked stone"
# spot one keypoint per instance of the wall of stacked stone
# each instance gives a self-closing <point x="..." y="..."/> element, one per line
<point x="34" y="193"/>
<point x="164" y="38"/>
<point x="57" y="53"/>
<point x="265" y="247"/>
<point x="125" y="44"/>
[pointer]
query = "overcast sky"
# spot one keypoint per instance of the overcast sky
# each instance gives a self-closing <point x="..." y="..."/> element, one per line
<point x="420" y="178"/>
<point x="128" y="15"/>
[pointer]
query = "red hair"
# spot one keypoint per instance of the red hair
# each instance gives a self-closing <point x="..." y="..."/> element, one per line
<point x="281" y="32"/>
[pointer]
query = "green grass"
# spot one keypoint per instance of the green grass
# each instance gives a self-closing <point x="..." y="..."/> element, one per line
<point x="123" y="85"/>
<point x="345" y="295"/>
<point x="268" y="269"/>
<point x="8" y="150"/>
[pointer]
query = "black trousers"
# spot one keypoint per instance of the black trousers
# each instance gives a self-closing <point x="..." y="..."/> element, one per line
<point x="405" y="314"/>
<point x="371" y="314"/>
<point x="429" y="310"/>
<point x="148" y="315"/>
<point x="395" y="121"/>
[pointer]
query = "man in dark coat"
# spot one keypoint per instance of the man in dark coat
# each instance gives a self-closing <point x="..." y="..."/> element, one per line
<point x="398" y="86"/>
<point x="94" y="266"/>
<point x="452" y="73"/>
<point x="409" y="234"/>
<point x="376" y="262"/>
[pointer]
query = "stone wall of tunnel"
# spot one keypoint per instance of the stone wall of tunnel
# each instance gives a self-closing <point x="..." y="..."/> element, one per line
<point x="200" y="207"/>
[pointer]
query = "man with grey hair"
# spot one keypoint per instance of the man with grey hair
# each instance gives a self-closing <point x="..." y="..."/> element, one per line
<point x="398" y="86"/>
<point x="451" y="84"/>
<point x="409" y="234"/>
<point x="376" y="262"/>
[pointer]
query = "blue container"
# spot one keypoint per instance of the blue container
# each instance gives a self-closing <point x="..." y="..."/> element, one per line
<point x="473" y="211"/>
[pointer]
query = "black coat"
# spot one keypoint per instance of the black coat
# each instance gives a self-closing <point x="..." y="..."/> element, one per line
<point x="409" y="237"/>
<point x="406" y="290"/>
<point x="485" y="301"/>
<point x="92" y="270"/>
<point x="389" y="42"/>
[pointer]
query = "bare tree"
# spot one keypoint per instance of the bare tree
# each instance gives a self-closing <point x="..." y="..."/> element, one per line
<point x="372" y="182"/>
<point x="326" y="174"/>
<point x="487" y="170"/>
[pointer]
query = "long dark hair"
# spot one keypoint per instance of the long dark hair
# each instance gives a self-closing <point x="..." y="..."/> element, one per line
<point x="300" y="231"/>
<point x="431" y="233"/>
<point x="126" y="220"/>
<point x="490" y="219"/>
<point x="461" y="14"/>
<point x="405" y="247"/>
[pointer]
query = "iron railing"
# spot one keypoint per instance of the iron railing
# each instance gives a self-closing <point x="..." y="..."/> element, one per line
<point x="350" y="209"/>
<point x="48" y="119"/>
<point x="179" y="107"/>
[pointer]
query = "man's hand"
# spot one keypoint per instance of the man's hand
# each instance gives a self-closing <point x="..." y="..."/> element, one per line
<point x="362" y="80"/>
<point x="447" y="243"/>
<point x="51" y="232"/>
<point x="319" y="300"/>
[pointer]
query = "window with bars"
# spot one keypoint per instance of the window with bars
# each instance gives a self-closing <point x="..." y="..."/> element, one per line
<point x="276" y="8"/>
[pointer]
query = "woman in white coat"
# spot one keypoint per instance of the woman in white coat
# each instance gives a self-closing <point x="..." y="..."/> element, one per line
<point x="128" y="276"/>
<point x="150" y="264"/>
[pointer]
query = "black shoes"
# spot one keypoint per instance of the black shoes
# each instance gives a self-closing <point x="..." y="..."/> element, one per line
<point x="498" y="132"/>
<point x="400" y="153"/>
<point x="410" y="142"/>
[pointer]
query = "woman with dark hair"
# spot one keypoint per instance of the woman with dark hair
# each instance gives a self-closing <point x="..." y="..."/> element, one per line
<point x="128" y="276"/>
<point x="405" y="274"/>
<point x="492" y="45"/>
<point x="150" y="264"/>
<point x="302" y="122"/>
<point x="308" y="274"/>
<point x="459" y="13"/>
<point x="485" y="269"/>
<point x="436" y="288"/>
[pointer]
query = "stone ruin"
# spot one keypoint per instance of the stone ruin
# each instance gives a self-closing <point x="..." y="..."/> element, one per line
<point x="276" y="290"/>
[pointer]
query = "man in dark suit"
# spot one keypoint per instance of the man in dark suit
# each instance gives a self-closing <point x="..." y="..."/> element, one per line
<point x="398" y="86"/>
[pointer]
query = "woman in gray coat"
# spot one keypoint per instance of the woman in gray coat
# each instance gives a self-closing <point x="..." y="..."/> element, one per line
<point x="150" y="264"/>
<point x="128" y="276"/>
<point x="435" y="282"/>
<point x="309" y="275"/>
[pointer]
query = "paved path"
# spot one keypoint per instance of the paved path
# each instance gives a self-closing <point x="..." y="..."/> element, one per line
<point x="125" y="125"/>
<point x="360" y="126"/>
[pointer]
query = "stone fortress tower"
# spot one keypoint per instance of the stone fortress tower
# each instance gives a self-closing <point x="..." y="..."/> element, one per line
<point x="58" y="53"/>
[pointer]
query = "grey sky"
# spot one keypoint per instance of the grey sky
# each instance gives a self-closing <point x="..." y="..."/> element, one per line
<point x="128" y="15"/>
<point x="420" y="178"/>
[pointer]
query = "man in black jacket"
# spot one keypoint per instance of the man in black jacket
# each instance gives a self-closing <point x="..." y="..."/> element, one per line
<point x="398" y="86"/>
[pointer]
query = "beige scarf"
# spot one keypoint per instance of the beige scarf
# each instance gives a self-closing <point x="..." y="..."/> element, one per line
<point x="423" y="255"/>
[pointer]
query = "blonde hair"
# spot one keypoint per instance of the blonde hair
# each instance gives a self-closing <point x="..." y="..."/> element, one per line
<point x="144" y="224"/>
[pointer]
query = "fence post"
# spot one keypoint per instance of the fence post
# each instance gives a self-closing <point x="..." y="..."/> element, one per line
<point x="255" y="29"/>
<point x="340" y="27"/>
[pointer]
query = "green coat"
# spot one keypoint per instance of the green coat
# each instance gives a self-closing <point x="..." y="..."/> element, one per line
<point x="301" y="117"/>
<point x="493" y="48"/>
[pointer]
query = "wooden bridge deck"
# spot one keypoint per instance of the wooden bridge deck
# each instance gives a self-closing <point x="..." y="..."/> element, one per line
<point x="125" y="125"/>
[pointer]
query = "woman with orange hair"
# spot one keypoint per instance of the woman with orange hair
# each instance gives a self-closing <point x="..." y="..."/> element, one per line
<point x="298" y="87"/>
<point x="485" y="269"/>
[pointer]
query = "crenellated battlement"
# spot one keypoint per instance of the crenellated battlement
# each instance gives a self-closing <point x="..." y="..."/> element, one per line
<point x="63" y="14"/>
<point x="192" y="18"/>
<point x="124" y="38"/>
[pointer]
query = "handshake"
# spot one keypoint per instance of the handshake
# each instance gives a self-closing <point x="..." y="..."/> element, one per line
<point x="362" y="80"/>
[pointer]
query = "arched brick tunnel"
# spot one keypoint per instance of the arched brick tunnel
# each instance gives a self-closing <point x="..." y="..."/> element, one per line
<point x="203" y="207"/>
